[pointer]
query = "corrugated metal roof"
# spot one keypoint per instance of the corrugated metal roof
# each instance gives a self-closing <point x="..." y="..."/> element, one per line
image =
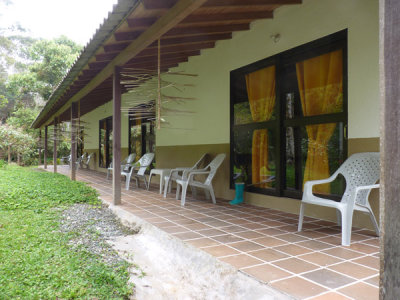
<point x="120" y="12"/>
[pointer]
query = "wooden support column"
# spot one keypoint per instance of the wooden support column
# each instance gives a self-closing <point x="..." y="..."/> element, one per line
<point x="390" y="149"/>
<point x="55" y="145"/>
<point x="40" y="147"/>
<point x="74" y="116"/>
<point x="45" y="147"/>
<point x="117" y="136"/>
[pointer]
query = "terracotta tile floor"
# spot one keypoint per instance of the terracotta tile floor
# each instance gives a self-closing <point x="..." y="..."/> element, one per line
<point x="261" y="242"/>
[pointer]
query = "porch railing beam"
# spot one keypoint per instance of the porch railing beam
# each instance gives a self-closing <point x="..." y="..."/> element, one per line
<point x="390" y="149"/>
<point x="175" y="15"/>
<point x="55" y="145"/>
<point x="74" y="116"/>
<point x="117" y="136"/>
<point x="45" y="147"/>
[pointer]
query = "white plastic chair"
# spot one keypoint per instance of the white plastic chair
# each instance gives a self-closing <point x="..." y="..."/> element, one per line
<point x="361" y="172"/>
<point x="79" y="161"/>
<point x="180" y="173"/>
<point x="85" y="161"/>
<point x="210" y="170"/>
<point x="126" y="164"/>
<point x="138" y="170"/>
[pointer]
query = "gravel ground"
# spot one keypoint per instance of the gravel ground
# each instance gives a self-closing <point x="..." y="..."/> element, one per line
<point x="91" y="228"/>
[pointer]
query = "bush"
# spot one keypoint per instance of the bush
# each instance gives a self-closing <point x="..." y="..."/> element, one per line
<point x="3" y="163"/>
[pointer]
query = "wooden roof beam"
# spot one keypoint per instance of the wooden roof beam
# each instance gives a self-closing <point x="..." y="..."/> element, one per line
<point x="183" y="54"/>
<point x="223" y="17"/>
<point x="201" y="30"/>
<point x="232" y="3"/>
<point x="176" y="49"/>
<point x="115" y="47"/>
<point x="127" y="35"/>
<point x="206" y="18"/>
<point x="193" y="30"/>
<point x="157" y="4"/>
<point x="171" y="18"/>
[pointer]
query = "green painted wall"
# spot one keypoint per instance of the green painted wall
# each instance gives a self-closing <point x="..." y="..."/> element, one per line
<point x="92" y="119"/>
<point x="206" y="120"/>
<point x="297" y="25"/>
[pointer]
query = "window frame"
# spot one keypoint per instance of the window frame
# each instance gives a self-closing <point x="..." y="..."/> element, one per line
<point x="109" y="129"/>
<point x="314" y="48"/>
<point x="144" y="133"/>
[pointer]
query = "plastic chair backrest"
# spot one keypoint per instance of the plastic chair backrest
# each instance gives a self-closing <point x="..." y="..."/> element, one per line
<point x="358" y="170"/>
<point x="131" y="158"/>
<point x="199" y="162"/>
<point x="144" y="162"/>
<point x="214" y="165"/>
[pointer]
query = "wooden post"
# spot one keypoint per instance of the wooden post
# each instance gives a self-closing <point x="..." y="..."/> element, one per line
<point x="74" y="116"/>
<point x="117" y="136"/>
<point x="45" y="147"/>
<point x="390" y="149"/>
<point x="55" y="145"/>
<point x="40" y="147"/>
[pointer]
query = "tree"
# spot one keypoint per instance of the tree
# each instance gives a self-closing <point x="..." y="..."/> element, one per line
<point x="51" y="61"/>
<point x="15" y="141"/>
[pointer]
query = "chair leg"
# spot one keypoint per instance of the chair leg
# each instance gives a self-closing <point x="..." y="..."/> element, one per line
<point x="178" y="190"/>
<point x="301" y="217"/>
<point x="347" y="222"/>
<point x="166" y="184"/>
<point x="128" y="180"/>
<point x="194" y="191"/>
<point x="211" y="192"/>
<point x="339" y="218"/>
<point x="207" y="193"/>
<point x="184" y="190"/>
<point x="373" y="219"/>
<point x="148" y="186"/>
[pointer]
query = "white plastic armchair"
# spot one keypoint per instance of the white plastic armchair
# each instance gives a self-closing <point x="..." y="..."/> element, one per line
<point x="86" y="161"/>
<point x="79" y="161"/>
<point x="180" y="173"/>
<point x="210" y="170"/>
<point x="138" y="170"/>
<point x="361" y="172"/>
<point x="126" y="164"/>
<point x="66" y="160"/>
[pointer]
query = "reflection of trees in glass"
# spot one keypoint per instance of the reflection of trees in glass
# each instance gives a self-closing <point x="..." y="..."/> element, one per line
<point x="242" y="113"/>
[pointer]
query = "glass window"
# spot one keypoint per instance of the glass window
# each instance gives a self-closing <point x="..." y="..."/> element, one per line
<point x="105" y="142"/>
<point x="289" y="117"/>
<point x="141" y="137"/>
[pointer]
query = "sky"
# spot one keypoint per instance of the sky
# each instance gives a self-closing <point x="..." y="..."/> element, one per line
<point x="77" y="19"/>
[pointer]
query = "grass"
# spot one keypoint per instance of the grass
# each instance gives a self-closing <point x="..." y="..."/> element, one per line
<point x="35" y="259"/>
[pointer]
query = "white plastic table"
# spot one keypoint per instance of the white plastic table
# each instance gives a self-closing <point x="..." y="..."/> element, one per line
<point x="162" y="173"/>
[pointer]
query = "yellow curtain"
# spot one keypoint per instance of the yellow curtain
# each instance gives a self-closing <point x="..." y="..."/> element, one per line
<point x="261" y="93"/>
<point x="320" y="81"/>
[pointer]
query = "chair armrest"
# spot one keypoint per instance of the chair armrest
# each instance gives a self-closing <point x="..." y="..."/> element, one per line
<point x="307" y="192"/>
<point x="367" y="187"/>
<point x="196" y="172"/>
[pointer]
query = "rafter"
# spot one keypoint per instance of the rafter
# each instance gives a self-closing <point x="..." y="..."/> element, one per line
<point x="171" y="18"/>
<point x="201" y="30"/>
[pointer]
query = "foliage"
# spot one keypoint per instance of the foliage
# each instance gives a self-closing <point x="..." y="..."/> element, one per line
<point x="29" y="72"/>
<point x="36" y="261"/>
<point x="14" y="139"/>
<point x="50" y="61"/>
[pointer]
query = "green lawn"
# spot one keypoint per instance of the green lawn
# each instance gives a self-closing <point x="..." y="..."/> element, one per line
<point x="35" y="259"/>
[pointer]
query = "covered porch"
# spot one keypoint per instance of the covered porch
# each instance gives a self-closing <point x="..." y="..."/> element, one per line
<point x="260" y="242"/>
